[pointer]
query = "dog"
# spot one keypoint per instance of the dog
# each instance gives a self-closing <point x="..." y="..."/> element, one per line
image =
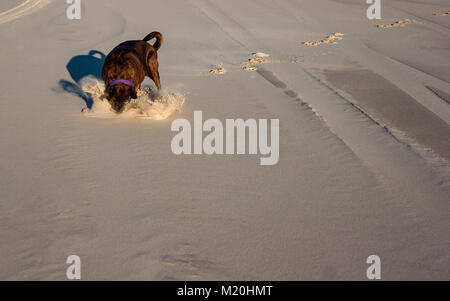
<point x="125" y="69"/>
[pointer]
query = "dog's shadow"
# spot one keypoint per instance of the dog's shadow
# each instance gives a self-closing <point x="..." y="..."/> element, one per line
<point x="79" y="67"/>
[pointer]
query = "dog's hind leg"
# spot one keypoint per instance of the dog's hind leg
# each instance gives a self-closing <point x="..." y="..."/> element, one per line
<point x="152" y="67"/>
<point x="155" y="76"/>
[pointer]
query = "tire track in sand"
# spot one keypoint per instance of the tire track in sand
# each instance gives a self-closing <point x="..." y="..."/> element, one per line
<point x="27" y="7"/>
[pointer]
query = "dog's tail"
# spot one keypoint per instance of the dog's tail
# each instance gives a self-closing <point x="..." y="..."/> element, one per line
<point x="158" y="36"/>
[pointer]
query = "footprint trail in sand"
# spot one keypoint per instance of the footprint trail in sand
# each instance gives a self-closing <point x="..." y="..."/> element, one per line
<point x="257" y="58"/>
<point x="252" y="63"/>
<point x="219" y="69"/>
<point x="399" y="23"/>
<point x="331" y="39"/>
<point x="442" y="14"/>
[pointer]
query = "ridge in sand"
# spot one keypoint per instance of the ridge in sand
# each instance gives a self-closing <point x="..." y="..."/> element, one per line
<point x="27" y="7"/>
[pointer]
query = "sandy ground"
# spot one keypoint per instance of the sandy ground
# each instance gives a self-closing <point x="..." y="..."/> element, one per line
<point x="364" y="135"/>
<point x="8" y="4"/>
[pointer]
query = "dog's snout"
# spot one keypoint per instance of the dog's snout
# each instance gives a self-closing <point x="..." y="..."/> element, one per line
<point x="117" y="105"/>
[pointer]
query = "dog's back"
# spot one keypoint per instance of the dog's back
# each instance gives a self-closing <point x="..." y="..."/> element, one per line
<point x="138" y="54"/>
<point x="141" y="47"/>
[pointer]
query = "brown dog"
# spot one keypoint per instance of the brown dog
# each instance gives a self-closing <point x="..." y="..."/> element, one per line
<point x="126" y="67"/>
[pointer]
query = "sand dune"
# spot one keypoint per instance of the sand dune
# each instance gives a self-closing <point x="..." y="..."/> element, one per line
<point x="364" y="130"/>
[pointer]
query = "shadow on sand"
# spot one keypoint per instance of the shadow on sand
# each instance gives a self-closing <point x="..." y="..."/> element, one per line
<point x="79" y="67"/>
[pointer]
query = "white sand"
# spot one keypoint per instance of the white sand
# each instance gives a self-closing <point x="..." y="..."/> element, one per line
<point x="349" y="184"/>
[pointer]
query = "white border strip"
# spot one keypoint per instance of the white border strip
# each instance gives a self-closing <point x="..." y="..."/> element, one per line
<point x="27" y="7"/>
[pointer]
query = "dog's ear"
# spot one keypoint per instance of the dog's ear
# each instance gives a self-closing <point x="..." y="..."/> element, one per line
<point x="133" y="93"/>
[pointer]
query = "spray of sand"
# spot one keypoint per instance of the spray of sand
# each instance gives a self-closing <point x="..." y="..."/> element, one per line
<point x="148" y="105"/>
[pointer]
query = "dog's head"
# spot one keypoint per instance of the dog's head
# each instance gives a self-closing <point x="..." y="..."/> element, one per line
<point x="119" y="95"/>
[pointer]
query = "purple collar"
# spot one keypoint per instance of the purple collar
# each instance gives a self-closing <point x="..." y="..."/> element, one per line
<point x="122" y="81"/>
